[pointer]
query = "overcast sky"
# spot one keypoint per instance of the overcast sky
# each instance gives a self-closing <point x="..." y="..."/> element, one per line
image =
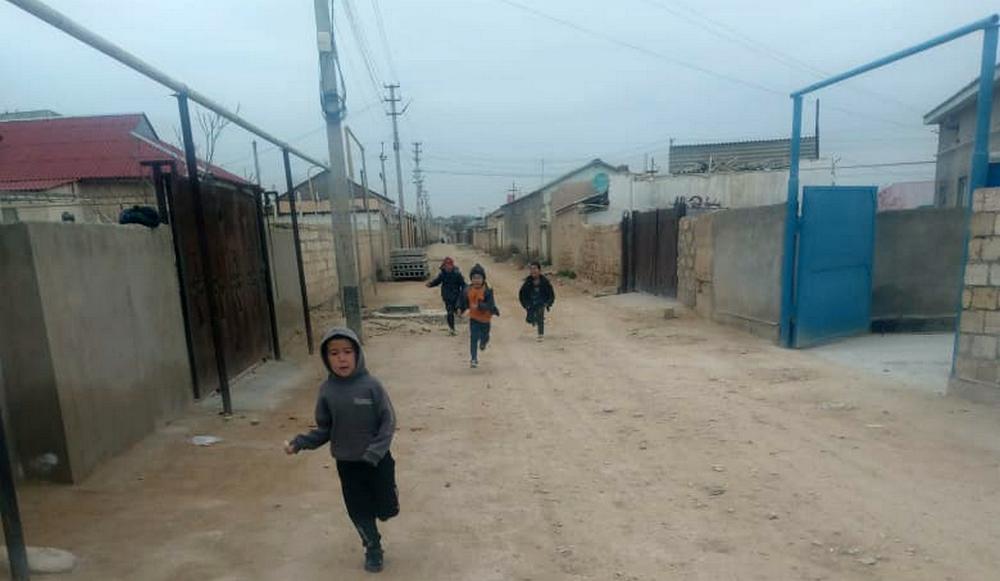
<point x="495" y="87"/>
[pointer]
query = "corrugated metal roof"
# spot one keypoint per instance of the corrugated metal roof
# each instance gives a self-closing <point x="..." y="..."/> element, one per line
<point x="738" y="155"/>
<point x="66" y="149"/>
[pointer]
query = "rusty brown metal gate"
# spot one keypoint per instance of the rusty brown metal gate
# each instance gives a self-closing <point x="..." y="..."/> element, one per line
<point x="650" y="257"/>
<point x="234" y="248"/>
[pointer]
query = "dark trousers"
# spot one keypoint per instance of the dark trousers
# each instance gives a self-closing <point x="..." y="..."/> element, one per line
<point x="536" y="318"/>
<point x="479" y="337"/>
<point x="369" y="494"/>
<point x="451" y="308"/>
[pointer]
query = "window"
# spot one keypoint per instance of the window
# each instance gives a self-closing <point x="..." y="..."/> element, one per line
<point x="9" y="216"/>
<point x="961" y="196"/>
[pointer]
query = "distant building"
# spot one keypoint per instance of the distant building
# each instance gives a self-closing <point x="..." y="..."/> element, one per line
<point x="769" y="154"/>
<point x="526" y="220"/>
<point x="906" y="196"/>
<point x="81" y="169"/>
<point x="956" y="121"/>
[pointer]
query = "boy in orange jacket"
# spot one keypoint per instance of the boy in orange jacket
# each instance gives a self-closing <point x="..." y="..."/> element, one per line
<point x="478" y="300"/>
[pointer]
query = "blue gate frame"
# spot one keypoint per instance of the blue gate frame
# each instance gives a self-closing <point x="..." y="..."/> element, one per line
<point x="833" y="282"/>
<point x="980" y="155"/>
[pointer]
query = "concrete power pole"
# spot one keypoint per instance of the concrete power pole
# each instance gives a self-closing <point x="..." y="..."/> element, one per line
<point x="393" y="100"/>
<point x="418" y="181"/>
<point x="341" y="202"/>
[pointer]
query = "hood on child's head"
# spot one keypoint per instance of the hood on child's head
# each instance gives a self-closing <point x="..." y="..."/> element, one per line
<point x="478" y="269"/>
<point x="343" y="333"/>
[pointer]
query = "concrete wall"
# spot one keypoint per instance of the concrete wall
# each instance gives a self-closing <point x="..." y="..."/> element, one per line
<point x="746" y="268"/>
<point x="918" y="255"/>
<point x="731" y="190"/>
<point x="284" y="276"/>
<point x="977" y="363"/>
<point x="729" y="267"/>
<point x="93" y="343"/>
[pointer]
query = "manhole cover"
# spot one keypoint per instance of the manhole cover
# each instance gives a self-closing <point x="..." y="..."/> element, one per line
<point x="396" y="309"/>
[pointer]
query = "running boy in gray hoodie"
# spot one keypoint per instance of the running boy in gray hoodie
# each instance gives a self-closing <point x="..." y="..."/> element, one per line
<point x="354" y="414"/>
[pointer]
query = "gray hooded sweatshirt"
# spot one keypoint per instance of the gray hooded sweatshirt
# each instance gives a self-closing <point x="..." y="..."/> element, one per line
<point x="353" y="413"/>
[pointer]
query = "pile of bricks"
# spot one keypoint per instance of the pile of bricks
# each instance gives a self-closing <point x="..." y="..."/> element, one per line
<point x="978" y="358"/>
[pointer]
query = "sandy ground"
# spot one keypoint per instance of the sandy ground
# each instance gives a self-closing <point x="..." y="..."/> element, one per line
<point x="625" y="447"/>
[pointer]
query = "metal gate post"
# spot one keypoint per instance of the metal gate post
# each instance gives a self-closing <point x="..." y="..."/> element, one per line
<point x="262" y="229"/>
<point x="17" y="553"/>
<point x="206" y="264"/>
<point x="791" y="225"/>
<point x="166" y="183"/>
<point x="298" y="251"/>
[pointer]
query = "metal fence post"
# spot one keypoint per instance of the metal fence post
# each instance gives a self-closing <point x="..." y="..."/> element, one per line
<point x="262" y="228"/>
<point x="191" y="161"/>
<point x="17" y="553"/>
<point x="298" y="251"/>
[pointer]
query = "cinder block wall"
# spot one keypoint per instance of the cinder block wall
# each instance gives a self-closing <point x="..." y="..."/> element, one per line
<point x="695" y="263"/>
<point x="977" y="364"/>
<point x="320" y="264"/>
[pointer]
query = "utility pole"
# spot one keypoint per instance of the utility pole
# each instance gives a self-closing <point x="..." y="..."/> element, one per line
<point x="393" y="100"/>
<point x="418" y="181"/>
<point x="512" y="191"/>
<point x="385" y="189"/>
<point x="341" y="202"/>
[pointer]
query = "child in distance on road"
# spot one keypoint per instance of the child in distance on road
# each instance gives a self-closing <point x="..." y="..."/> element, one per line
<point x="452" y="285"/>
<point x="478" y="300"/>
<point x="537" y="296"/>
<point x="354" y="414"/>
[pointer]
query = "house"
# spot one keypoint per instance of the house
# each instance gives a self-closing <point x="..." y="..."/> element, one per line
<point x="312" y="196"/>
<point x="526" y="220"/>
<point x="312" y="201"/>
<point x="84" y="169"/>
<point x="956" y="121"/>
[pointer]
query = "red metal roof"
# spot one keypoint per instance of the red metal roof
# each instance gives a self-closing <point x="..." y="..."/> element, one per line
<point x="41" y="154"/>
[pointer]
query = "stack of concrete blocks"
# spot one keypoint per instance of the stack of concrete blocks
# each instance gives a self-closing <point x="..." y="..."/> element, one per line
<point x="977" y="366"/>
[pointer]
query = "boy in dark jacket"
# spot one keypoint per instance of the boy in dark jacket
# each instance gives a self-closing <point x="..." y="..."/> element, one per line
<point x="537" y="296"/>
<point x="452" y="285"/>
<point x="354" y="414"/>
<point x="478" y="300"/>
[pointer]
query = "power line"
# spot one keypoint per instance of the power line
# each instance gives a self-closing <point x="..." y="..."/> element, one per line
<point x="681" y="63"/>
<point x="726" y="32"/>
<point x="480" y="174"/>
<point x="874" y="165"/>
<point x="644" y="50"/>
<point x="362" y="44"/>
<point x="380" y="22"/>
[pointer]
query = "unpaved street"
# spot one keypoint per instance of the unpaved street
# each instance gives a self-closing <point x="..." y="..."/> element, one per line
<point x="626" y="446"/>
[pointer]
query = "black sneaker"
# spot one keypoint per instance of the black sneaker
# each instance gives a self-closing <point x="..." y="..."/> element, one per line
<point x="373" y="559"/>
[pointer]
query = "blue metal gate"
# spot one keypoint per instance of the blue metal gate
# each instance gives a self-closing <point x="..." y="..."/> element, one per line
<point x="833" y="287"/>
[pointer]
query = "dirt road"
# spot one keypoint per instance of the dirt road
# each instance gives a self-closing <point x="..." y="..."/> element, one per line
<point x="625" y="447"/>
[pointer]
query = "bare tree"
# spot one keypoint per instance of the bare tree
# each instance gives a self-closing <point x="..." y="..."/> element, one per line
<point x="212" y="125"/>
